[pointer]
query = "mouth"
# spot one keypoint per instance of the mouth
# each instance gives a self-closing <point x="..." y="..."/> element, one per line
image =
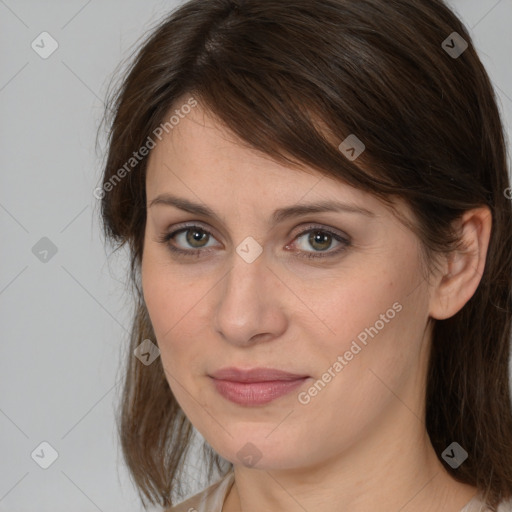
<point x="256" y="386"/>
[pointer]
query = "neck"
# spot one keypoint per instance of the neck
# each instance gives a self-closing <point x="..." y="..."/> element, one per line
<point x="405" y="476"/>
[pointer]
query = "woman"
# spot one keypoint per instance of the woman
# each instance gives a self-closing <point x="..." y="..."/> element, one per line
<point x="314" y="197"/>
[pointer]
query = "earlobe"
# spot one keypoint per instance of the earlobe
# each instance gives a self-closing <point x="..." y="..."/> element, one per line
<point x="465" y="266"/>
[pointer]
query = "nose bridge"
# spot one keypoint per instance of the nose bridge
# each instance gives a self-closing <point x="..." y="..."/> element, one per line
<point x="247" y="303"/>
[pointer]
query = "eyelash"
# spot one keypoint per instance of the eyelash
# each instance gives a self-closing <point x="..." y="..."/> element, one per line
<point x="166" y="237"/>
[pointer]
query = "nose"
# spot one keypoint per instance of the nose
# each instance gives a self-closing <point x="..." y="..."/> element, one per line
<point x="251" y="305"/>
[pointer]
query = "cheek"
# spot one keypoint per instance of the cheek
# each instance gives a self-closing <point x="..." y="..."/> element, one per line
<point x="372" y="305"/>
<point x="349" y="311"/>
<point x="362" y="367"/>
<point x="166" y="294"/>
<point x="370" y="328"/>
<point x="174" y="306"/>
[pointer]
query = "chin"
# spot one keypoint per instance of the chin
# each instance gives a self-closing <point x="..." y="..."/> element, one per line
<point x="262" y="446"/>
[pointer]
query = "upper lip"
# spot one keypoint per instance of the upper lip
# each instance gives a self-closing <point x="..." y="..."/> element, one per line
<point x="254" y="375"/>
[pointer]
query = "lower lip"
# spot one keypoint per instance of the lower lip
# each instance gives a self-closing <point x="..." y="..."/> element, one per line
<point x="256" y="393"/>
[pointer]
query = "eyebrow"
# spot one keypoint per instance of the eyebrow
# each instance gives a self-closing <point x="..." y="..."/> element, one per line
<point x="278" y="216"/>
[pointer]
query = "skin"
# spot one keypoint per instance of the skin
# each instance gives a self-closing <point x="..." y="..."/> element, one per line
<point x="361" y="443"/>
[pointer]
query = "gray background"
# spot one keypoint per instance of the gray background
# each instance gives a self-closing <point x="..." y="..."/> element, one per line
<point x="64" y="321"/>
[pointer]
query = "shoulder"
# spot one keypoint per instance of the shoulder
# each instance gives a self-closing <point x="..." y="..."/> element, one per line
<point x="505" y="506"/>
<point x="476" y="505"/>
<point x="210" y="499"/>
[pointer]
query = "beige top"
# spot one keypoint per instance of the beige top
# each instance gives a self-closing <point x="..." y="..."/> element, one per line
<point x="213" y="497"/>
<point x="210" y="500"/>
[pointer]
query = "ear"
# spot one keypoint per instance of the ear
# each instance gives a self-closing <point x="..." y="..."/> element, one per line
<point x="464" y="267"/>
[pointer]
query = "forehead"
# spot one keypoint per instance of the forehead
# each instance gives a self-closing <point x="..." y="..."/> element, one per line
<point x="199" y="145"/>
<point x="200" y="157"/>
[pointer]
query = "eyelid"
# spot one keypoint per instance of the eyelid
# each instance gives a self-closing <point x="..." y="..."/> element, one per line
<point x="311" y="226"/>
<point x="190" y="225"/>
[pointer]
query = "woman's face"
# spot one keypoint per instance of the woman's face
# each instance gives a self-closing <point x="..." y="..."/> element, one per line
<point x="335" y="297"/>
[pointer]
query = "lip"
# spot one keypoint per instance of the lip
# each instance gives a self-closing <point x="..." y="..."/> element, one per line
<point x="256" y="386"/>
<point x="255" y="375"/>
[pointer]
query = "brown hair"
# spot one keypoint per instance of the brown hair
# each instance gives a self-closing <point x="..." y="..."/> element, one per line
<point x="272" y="72"/>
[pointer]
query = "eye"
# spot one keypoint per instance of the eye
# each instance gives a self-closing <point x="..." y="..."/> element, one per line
<point x="197" y="238"/>
<point x="321" y="240"/>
